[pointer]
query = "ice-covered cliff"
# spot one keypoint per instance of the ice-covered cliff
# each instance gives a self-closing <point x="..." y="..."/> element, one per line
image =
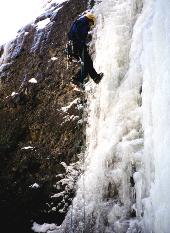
<point x="125" y="184"/>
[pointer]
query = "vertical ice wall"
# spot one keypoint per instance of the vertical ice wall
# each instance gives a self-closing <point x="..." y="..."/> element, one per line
<point x="156" y="116"/>
<point x="130" y="52"/>
<point x="131" y="48"/>
<point x="106" y="200"/>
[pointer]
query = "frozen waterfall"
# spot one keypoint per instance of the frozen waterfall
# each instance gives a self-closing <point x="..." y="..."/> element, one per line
<point x="155" y="62"/>
<point x="126" y="185"/>
<point x="110" y="191"/>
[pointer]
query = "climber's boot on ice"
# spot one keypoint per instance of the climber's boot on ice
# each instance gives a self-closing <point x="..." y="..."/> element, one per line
<point x="98" y="78"/>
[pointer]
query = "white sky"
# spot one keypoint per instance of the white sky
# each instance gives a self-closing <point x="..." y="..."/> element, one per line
<point x="15" y="14"/>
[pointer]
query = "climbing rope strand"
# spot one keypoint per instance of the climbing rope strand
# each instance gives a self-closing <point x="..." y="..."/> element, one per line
<point x="72" y="227"/>
<point x="84" y="197"/>
<point x="83" y="151"/>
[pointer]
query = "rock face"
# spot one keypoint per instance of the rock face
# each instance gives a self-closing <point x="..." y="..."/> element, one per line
<point x="41" y="130"/>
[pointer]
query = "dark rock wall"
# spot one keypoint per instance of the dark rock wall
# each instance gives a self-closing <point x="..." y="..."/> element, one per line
<point x="34" y="118"/>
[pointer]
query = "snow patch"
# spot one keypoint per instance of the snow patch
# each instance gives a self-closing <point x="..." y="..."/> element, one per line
<point x="43" y="228"/>
<point x="14" y="93"/>
<point x="54" y="58"/>
<point x="34" y="186"/>
<point x="42" y="24"/>
<point x="32" y="80"/>
<point x="65" y="109"/>
<point x="70" y="118"/>
<point x="58" y="194"/>
<point x="27" y="148"/>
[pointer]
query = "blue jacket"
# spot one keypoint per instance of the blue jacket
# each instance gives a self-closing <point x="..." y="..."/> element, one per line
<point x="79" y="31"/>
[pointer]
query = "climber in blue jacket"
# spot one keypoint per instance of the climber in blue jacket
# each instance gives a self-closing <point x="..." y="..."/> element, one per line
<point x="78" y="35"/>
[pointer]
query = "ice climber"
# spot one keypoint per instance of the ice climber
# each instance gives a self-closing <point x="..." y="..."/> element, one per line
<point x="77" y="36"/>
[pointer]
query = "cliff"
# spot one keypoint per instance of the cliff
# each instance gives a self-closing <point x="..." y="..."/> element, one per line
<point x="41" y="127"/>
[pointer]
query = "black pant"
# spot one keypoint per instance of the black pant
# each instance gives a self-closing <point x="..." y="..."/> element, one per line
<point x="87" y="66"/>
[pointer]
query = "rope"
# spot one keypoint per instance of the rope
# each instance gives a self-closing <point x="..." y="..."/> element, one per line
<point x="83" y="149"/>
<point x="84" y="198"/>
<point x="72" y="227"/>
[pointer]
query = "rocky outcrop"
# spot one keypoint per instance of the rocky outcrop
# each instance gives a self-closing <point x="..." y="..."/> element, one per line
<point x="41" y="129"/>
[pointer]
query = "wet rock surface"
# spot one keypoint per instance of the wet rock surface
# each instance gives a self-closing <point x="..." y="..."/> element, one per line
<point x="41" y="132"/>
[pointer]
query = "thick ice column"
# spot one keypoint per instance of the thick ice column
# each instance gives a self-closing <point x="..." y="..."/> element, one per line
<point x="156" y="117"/>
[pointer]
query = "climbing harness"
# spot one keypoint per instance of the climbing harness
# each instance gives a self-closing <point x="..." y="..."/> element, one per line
<point x="72" y="56"/>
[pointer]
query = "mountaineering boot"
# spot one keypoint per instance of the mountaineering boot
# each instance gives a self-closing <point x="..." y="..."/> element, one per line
<point x="98" y="78"/>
